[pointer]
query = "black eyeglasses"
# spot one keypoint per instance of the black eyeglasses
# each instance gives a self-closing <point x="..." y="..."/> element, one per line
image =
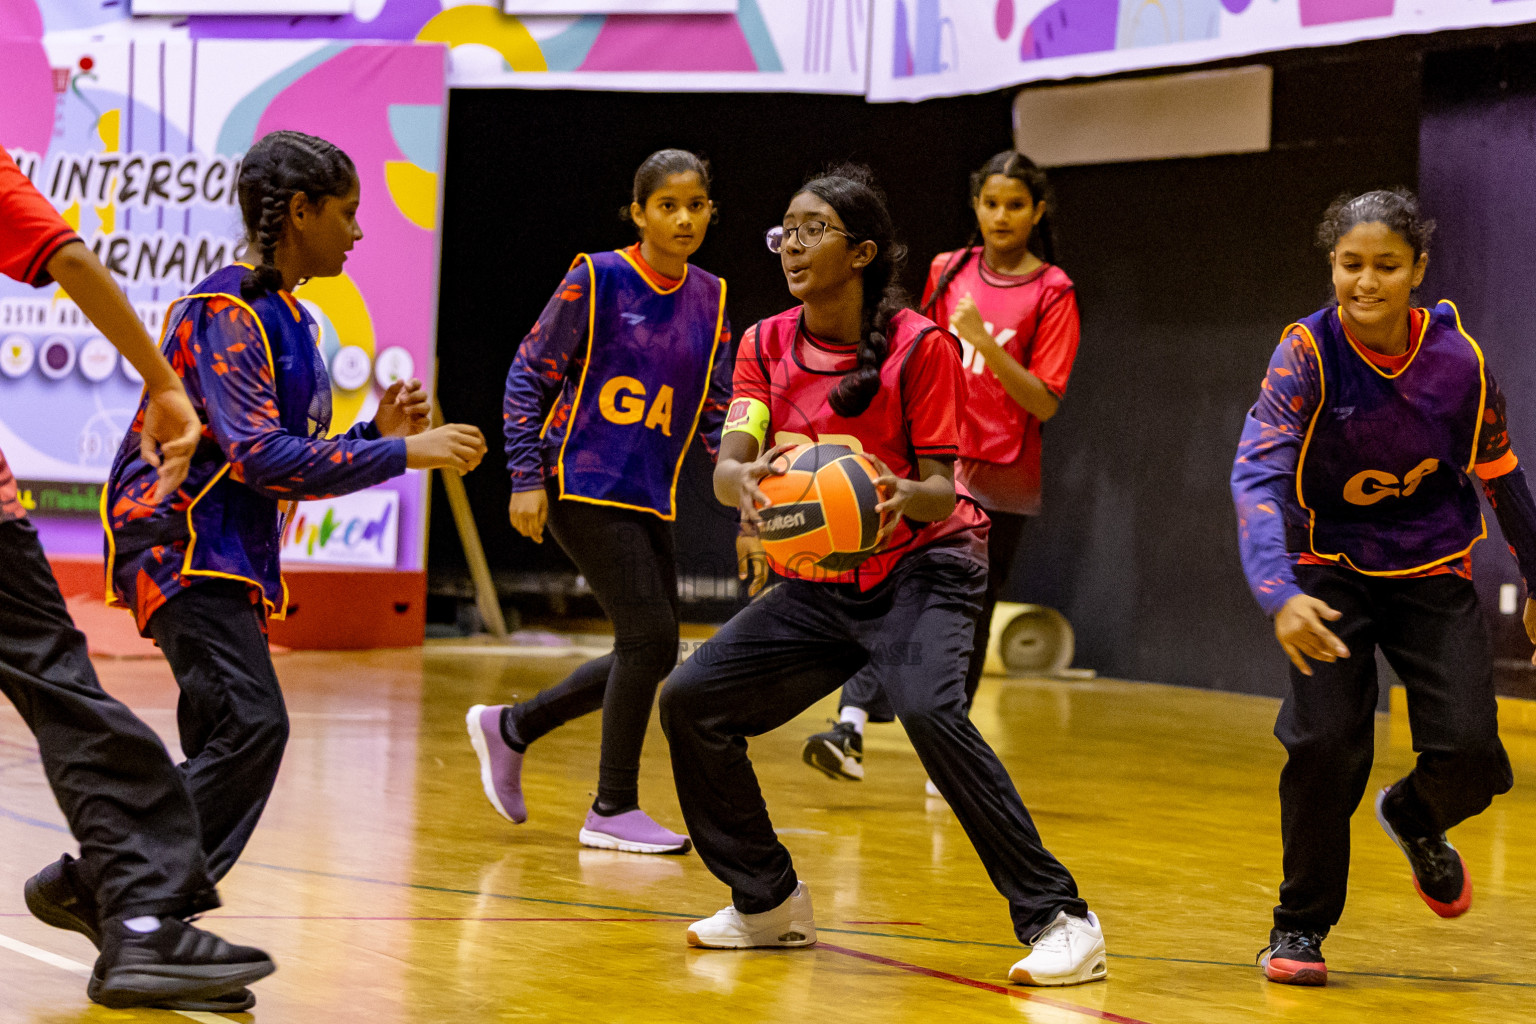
<point x="810" y="234"/>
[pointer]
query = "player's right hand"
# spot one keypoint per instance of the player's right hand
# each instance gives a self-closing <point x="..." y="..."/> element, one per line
<point x="169" y="437"/>
<point x="457" y="446"/>
<point x="529" y="511"/>
<point x="1302" y="635"/>
<point x="750" y="497"/>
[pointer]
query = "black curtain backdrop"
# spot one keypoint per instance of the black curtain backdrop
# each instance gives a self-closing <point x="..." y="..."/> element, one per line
<point x="1476" y="154"/>
<point x="1187" y="272"/>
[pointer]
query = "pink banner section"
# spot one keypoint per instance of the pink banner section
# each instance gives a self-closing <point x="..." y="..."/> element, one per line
<point x="1328" y="12"/>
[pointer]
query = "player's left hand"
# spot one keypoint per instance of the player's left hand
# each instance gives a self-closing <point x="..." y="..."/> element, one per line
<point x="1529" y="619"/>
<point x="967" y="323"/>
<point x="404" y="411"/>
<point x="751" y="560"/>
<point x="168" y="438"/>
<point x="897" y="491"/>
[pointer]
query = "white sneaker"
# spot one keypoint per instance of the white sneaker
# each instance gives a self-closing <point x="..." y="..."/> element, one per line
<point x="791" y="923"/>
<point x="1070" y="951"/>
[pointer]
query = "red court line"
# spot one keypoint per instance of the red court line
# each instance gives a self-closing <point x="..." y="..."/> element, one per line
<point x="985" y="986"/>
<point x="324" y="917"/>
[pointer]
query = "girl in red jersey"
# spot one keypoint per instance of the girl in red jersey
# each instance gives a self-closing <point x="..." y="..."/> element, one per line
<point x="851" y="365"/>
<point x="1015" y="312"/>
<point x="627" y="363"/>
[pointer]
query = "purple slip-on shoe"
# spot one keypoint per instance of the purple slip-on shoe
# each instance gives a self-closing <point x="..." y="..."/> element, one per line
<point x="631" y="832"/>
<point x="501" y="767"/>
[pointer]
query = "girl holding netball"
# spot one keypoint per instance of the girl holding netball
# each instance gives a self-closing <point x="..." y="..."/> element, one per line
<point x="630" y="359"/>
<point x="1354" y="486"/>
<point x="199" y="569"/>
<point x="1015" y="313"/>
<point x="850" y="365"/>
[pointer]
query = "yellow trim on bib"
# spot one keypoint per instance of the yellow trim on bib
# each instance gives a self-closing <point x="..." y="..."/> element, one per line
<point x="581" y="385"/>
<point x="1482" y="382"/>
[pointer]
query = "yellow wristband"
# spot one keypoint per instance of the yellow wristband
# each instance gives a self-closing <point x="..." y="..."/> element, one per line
<point x="749" y="416"/>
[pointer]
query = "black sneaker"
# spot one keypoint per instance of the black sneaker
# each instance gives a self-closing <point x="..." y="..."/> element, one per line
<point x="838" y="753"/>
<point x="174" y="963"/>
<point x="1439" y="873"/>
<point x="238" y="1001"/>
<point x="56" y="896"/>
<point x="1294" y="958"/>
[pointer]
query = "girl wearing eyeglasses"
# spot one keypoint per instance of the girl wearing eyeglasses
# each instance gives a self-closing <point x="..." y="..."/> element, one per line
<point x="1015" y="313"/>
<point x="852" y="364"/>
<point x="629" y="360"/>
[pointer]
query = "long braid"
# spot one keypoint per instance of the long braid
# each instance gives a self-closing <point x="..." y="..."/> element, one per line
<point x="951" y="271"/>
<point x="850" y="190"/>
<point x="264" y="276"/>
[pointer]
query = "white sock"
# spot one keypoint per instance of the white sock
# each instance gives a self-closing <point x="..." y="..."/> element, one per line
<point x="142" y="925"/>
<point x="857" y="716"/>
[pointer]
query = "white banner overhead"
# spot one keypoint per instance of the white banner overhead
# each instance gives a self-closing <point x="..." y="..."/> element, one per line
<point x="290" y="7"/>
<point x="619" y="6"/>
<point x="925" y="48"/>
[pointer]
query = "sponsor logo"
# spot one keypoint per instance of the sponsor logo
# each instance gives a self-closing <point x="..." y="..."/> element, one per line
<point x="356" y="529"/>
<point x="784" y="521"/>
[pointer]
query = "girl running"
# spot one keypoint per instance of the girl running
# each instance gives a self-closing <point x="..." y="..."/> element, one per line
<point x="628" y="361"/>
<point x="851" y="363"/>
<point x="1015" y="313"/>
<point x="200" y="569"/>
<point x="141" y="873"/>
<point x="1356" y="508"/>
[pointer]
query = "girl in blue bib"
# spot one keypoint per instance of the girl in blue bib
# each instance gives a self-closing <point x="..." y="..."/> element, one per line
<point x="199" y="568"/>
<point x="629" y="361"/>
<point x="1356" y="488"/>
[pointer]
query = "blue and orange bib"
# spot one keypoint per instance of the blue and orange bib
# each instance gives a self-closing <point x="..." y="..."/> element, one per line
<point x="1383" y="478"/>
<point x="643" y="386"/>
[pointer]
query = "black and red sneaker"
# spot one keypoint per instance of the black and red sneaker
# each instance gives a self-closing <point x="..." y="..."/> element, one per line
<point x="1294" y="958"/>
<point x="1439" y="873"/>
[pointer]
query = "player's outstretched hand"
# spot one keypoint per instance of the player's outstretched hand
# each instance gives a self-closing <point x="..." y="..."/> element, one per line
<point x="404" y="411"/>
<point x="529" y="511"/>
<point x="170" y="434"/>
<point x="1302" y="635"/>
<point x="457" y="446"/>
<point x="750" y="497"/>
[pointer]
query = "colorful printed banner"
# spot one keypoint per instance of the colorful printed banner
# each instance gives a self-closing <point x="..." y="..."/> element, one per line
<point x="618" y="6"/>
<point x="925" y="48"/>
<point x="137" y="140"/>
<point x="752" y="46"/>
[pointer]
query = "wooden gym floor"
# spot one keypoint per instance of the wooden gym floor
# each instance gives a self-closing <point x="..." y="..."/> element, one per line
<point x="389" y="891"/>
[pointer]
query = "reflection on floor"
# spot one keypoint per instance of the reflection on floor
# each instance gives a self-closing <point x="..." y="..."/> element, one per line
<point x="390" y="892"/>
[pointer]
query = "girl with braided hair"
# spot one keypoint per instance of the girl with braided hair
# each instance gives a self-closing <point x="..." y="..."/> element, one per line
<point x="199" y="568"/>
<point x="1015" y="313"/>
<point x="852" y="365"/>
